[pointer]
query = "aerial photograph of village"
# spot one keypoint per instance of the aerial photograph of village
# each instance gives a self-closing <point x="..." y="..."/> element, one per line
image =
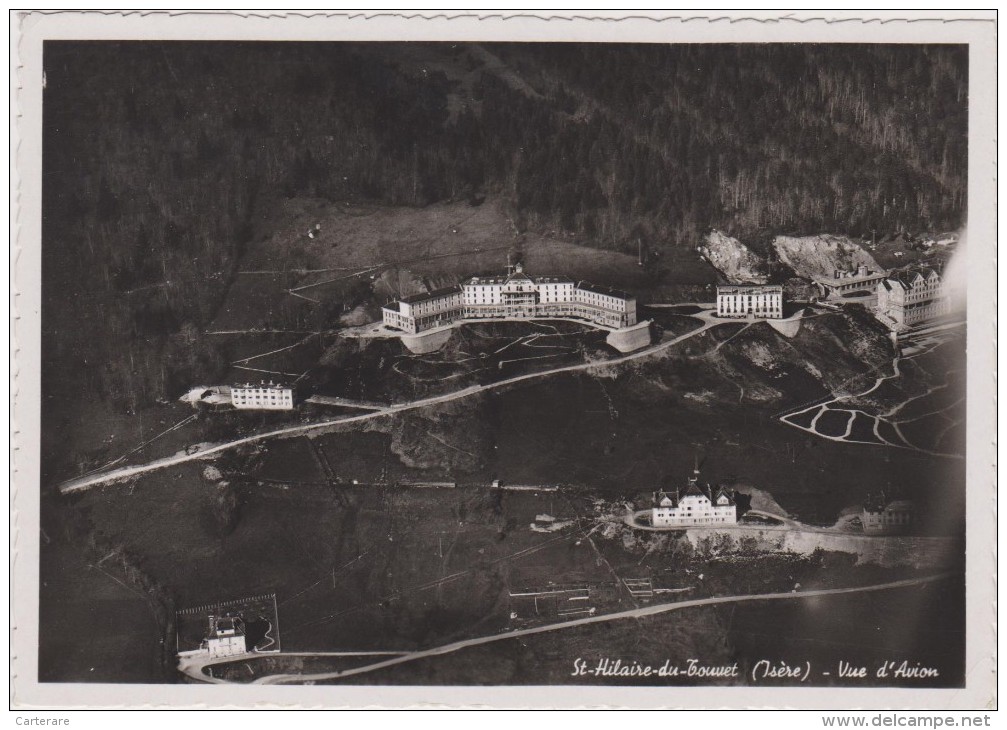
<point x="501" y="364"/>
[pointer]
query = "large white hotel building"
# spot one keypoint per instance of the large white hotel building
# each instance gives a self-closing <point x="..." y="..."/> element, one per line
<point x="515" y="295"/>
<point x="760" y="302"/>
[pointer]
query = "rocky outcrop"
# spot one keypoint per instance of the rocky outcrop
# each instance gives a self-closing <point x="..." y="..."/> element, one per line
<point x="733" y="259"/>
<point x="818" y="257"/>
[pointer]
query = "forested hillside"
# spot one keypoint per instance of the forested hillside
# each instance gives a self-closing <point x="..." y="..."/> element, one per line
<point x="160" y="158"/>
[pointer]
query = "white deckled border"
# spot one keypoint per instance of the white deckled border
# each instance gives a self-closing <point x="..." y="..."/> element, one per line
<point x="976" y="28"/>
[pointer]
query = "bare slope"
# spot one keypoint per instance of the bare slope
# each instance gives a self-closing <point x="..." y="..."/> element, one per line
<point x="817" y="257"/>
<point x="381" y="252"/>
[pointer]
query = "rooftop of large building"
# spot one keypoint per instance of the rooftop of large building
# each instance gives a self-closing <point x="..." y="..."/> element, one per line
<point x="694" y="488"/>
<point x="444" y="291"/>
<point x="609" y="291"/>
<point x="850" y="278"/>
<point x="749" y="289"/>
<point x="440" y="293"/>
<point x="880" y="502"/>
<point x="221" y="626"/>
<point x="906" y="279"/>
<point x="901" y="505"/>
<point x="517" y="276"/>
<point x="261" y="385"/>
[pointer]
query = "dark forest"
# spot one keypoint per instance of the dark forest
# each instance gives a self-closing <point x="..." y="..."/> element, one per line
<point x="157" y="156"/>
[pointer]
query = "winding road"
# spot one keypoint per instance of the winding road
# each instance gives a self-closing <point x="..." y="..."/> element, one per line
<point x="708" y="320"/>
<point x="927" y="341"/>
<point x="785" y="523"/>
<point x="194" y="666"/>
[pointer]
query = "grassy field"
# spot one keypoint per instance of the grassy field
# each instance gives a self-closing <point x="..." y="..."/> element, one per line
<point x="374" y="566"/>
<point x="712" y="636"/>
<point x="394" y="251"/>
<point x="94" y="627"/>
<point x="832" y="423"/>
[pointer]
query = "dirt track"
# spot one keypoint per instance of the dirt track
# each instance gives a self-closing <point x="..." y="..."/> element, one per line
<point x="708" y="320"/>
<point x="194" y="667"/>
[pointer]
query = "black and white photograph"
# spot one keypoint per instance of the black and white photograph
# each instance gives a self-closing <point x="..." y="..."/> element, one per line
<point x="443" y="363"/>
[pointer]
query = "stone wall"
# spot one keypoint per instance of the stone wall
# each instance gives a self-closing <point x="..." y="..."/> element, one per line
<point x="425" y="342"/>
<point x="630" y="338"/>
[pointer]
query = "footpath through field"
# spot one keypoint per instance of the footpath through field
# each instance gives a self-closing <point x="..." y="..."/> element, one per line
<point x="708" y="320"/>
<point x="931" y="338"/>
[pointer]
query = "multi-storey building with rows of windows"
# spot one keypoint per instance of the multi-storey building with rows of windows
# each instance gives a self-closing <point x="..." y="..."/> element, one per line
<point x="882" y="516"/>
<point x="912" y="297"/>
<point x="759" y="301"/>
<point x="424" y="311"/>
<point x="844" y="282"/>
<point x="696" y="505"/>
<point x="264" y="396"/>
<point x="515" y="295"/>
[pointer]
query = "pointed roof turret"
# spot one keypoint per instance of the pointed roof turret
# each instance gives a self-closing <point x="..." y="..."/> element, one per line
<point x="518" y="274"/>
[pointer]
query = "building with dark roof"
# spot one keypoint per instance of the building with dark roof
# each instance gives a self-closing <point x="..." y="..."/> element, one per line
<point x="421" y="312"/>
<point x="514" y="295"/>
<point x="694" y="505"/>
<point x="225" y="637"/>
<point x="912" y="297"/>
<point x="861" y="278"/>
<point x="882" y="516"/>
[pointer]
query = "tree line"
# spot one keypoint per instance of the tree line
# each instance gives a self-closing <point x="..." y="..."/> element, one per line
<point x="158" y="158"/>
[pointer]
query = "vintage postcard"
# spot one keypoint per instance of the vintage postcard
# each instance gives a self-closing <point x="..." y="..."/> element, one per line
<point x="384" y="360"/>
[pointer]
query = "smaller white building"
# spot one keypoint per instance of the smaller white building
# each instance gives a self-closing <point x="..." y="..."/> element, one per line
<point x="696" y="505"/>
<point x="758" y="301"/>
<point x="226" y="637"/>
<point x="264" y="396"/>
<point x="424" y="311"/>
<point x="887" y="518"/>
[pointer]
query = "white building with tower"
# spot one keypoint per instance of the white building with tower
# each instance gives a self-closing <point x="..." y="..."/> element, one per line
<point x="515" y="295"/>
<point x="225" y="637"/>
<point x="742" y="301"/>
<point x="696" y="505"/>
